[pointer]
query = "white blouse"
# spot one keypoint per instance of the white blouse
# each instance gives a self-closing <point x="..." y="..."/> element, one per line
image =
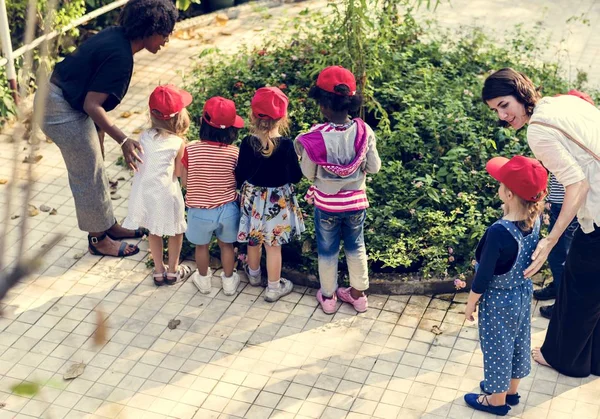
<point x="561" y="156"/>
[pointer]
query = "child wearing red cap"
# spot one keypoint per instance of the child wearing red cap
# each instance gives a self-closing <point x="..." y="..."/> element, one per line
<point x="155" y="201"/>
<point x="267" y="170"/>
<point x="211" y="196"/>
<point x="336" y="156"/>
<point x="503" y="292"/>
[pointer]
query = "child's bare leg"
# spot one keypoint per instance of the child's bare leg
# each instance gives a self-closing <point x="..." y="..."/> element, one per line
<point x="497" y="399"/>
<point x="156" y="250"/>
<point x="227" y="257"/>
<point x="356" y="294"/>
<point x="273" y="263"/>
<point x="175" y="243"/>
<point x="254" y="253"/>
<point x="514" y="386"/>
<point x="202" y="258"/>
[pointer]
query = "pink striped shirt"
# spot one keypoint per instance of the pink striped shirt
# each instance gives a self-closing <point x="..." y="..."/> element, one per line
<point x="339" y="202"/>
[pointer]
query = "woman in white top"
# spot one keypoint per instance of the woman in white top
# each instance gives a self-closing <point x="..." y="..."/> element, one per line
<point x="572" y="344"/>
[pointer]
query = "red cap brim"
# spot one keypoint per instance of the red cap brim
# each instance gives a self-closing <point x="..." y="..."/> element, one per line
<point x="186" y="98"/>
<point x="494" y="165"/>
<point x="239" y="122"/>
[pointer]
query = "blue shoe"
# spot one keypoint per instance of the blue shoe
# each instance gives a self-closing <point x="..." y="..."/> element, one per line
<point x="472" y="400"/>
<point x="511" y="399"/>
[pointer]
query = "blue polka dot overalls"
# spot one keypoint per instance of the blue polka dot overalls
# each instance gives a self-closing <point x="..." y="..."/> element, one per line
<point x="505" y="317"/>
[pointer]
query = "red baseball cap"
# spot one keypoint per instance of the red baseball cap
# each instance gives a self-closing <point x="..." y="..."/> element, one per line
<point x="220" y="113"/>
<point x="269" y="103"/>
<point x="167" y="101"/>
<point x="526" y="177"/>
<point x="333" y="76"/>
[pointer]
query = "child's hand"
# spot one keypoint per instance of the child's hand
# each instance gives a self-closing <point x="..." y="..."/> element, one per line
<point x="469" y="310"/>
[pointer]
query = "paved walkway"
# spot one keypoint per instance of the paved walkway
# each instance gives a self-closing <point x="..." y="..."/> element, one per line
<point x="239" y="356"/>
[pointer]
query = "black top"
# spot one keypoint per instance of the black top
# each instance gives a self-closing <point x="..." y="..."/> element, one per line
<point x="279" y="168"/>
<point x="496" y="253"/>
<point x="103" y="63"/>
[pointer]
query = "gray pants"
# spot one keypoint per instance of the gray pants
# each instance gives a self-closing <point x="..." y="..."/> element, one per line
<point x="75" y="135"/>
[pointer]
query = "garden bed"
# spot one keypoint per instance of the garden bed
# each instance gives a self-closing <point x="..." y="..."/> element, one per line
<point x="432" y="199"/>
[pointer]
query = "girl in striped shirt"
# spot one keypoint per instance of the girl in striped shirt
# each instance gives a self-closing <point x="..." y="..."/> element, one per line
<point x="209" y="179"/>
<point x="336" y="156"/>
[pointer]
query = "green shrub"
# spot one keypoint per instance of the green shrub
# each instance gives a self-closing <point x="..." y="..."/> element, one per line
<point x="7" y="105"/>
<point x="432" y="199"/>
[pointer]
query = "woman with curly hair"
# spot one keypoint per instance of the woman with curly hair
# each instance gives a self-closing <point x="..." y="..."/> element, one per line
<point x="86" y="85"/>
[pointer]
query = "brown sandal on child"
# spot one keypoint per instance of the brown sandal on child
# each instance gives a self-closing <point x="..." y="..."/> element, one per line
<point x="161" y="275"/>
<point x="183" y="273"/>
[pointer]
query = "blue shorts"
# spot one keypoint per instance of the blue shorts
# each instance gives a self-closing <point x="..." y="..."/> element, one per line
<point x="223" y="221"/>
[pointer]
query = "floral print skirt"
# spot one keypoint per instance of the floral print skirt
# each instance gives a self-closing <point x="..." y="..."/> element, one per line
<point x="269" y="215"/>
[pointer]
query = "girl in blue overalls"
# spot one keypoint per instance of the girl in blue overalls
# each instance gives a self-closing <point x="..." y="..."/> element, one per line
<point x="504" y="294"/>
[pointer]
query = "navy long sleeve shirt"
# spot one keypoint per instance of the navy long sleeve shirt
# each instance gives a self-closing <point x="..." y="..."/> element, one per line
<point x="276" y="170"/>
<point x="496" y="253"/>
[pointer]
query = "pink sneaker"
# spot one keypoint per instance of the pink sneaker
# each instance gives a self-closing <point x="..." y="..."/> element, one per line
<point x="360" y="304"/>
<point x="327" y="304"/>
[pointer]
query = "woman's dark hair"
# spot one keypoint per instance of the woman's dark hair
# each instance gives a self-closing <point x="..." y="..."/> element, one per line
<point x="508" y="82"/>
<point x="336" y="102"/>
<point x="218" y="135"/>
<point x="144" y="18"/>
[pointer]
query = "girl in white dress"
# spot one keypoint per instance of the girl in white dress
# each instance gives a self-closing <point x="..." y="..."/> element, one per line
<point x="156" y="201"/>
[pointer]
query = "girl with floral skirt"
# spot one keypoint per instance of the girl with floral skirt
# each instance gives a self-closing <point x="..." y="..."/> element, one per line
<point x="267" y="169"/>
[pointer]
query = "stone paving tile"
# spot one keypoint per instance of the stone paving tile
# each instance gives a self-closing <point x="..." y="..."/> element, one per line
<point x="239" y="357"/>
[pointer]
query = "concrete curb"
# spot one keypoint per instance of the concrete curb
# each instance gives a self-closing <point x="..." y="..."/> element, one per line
<point x="386" y="284"/>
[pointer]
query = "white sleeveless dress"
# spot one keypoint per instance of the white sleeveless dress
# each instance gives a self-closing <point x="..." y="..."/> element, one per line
<point x="156" y="201"/>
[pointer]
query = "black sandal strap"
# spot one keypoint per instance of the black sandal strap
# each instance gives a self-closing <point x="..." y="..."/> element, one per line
<point x="92" y="240"/>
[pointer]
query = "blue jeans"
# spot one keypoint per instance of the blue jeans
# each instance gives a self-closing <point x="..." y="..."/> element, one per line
<point x="558" y="255"/>
<point x="330" y="229"/>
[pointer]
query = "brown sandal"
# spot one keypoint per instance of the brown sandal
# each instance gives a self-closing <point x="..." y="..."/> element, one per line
<point x="162" y="276"/>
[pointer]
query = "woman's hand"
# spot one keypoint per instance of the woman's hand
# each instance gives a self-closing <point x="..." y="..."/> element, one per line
<point x="469" y="310"/>
<point x="540" y="255"/>
<point x="131" y="149"/>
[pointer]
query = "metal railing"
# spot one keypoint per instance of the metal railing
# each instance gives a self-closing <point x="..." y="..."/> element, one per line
<point x="9" y="57"/>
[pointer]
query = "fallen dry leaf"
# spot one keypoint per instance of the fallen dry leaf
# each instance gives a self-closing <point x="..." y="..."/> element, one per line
<point x="53" y="211"/>
<point x="35" y="159"/>
<point x="32" y="211"/>
<point x="221" y="19"/>
<point x="436" y="330"/>
<point x="226" y="32"/>
<point x="78" y="255"/>
<point x="14" y="217"/>
<point x="3" y="181"/>
<point x="137" y="130"/>
<point x="258" y="29"/>
<point x="173" y="323"/>
<point x="74" y="371"/>
<point x="100" y="332"/>
<point x="125" y="114"/>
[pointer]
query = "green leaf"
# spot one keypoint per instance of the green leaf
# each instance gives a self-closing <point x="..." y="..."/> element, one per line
<point x="26" y="388"/>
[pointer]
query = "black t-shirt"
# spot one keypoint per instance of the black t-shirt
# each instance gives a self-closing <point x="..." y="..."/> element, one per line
<point x="496" y="253"/>
<point x="103" y="63"/>
<point x="279" y="168"/>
